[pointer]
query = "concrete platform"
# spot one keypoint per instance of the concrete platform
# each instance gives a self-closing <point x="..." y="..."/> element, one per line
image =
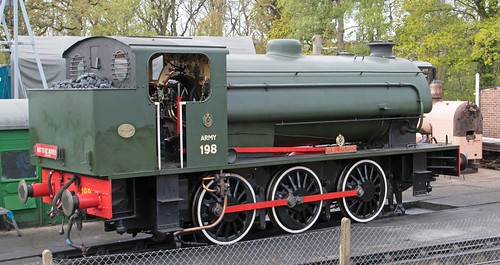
<point x="452" y="198"/>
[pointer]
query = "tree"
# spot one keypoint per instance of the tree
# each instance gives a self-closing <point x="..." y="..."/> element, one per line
<point x="375" y="19"/>
<point x="486" y="50"/>
<point x="303" y="19"/>
<point x="157" y="15"/>
<point x="84" y="17"/>
<point x="114" y="17"/>
<point x="212" y="24"/>
<point x="263" y="13"/>
<point x="458" y="37"/>
<point x="65" y="17"/>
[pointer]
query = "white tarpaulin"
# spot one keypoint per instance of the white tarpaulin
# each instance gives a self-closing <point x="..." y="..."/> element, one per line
<point x="13" y="114"/>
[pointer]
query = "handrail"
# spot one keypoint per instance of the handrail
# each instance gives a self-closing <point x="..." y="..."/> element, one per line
<point x="320" y="72"/>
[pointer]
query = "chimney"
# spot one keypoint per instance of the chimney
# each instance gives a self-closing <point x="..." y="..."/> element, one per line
<point x="382" y="49"/>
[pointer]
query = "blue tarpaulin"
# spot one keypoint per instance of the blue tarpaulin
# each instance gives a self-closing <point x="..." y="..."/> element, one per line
<point x="5" y="82"/>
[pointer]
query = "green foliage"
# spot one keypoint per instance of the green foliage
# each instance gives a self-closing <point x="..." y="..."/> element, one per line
<point x="281" y="28"/>
<point x="4" y="58"/>
<point x="85" y="17"/>
<point x="487" y="42"/>
<point x="450" y="37"/>
<point x="213" y="23"/>
<point x="263" y="14"/>
<point x="114" y="17"/>
<point x="486" y="50"/>
<point x="357" y="48"/>
<point x="302" y="19"/>
<point x="374" y="20"/>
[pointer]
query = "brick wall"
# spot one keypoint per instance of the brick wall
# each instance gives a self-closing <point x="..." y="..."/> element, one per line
<point x="489" y="102"/>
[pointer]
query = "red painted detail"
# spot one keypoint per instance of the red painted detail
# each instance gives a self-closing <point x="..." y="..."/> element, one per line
<point x="279" y="149"/>
<point x="255" y="206"/>
<point x="90" y="200"/>
<point x="55" y="183"/>
<point x="47" y="151"/>
<point x="459" y="160"/>
<point x="40" y="189"/>
<point x="341" y="149"/>
<point x="298" y="150"/>
<point x="179" y="122"/>
<point x="88" y="185"/>
<point x="283" y="202"/>
<point x="330" y="195"/>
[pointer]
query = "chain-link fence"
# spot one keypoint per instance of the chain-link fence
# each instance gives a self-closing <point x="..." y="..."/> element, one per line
<point x="466" y="241"/>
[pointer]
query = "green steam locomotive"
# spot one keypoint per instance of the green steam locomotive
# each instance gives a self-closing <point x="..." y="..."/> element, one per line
<point x="190" y="138"/>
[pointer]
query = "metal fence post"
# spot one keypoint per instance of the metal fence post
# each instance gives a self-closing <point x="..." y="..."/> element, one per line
<point x="47" y="257"/>
<point x="345" y="241"/>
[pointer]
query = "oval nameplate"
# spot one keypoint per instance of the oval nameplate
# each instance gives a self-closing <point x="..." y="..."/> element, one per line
<point x="126" y="130"/>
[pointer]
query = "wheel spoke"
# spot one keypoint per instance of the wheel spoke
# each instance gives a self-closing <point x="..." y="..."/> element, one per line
<point x="240" y="197"/>
<point x="292" y="183"/>
<point x="235" y="228"/>
<point x="305" y="181"/>
<point x="356" y="180"/>
<point x="304" y="217"/>
<point x="215" y="197"/>
<point x="286" y="188"/>
<point x="240" y="221"/>
<point x="351" y="185"/>
<point x="371" y="173"/>
<point x="310" y="186"/>
<point x="360" y="174"/>
<point x="227" y="230"/>
<point x="309" y="211"/>
<point x="217" y="233"/>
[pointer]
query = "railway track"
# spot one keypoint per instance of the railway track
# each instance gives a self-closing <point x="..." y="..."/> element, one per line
<point x="491" y="160"/>
<point x="491" y="153"/>
<point x="135" y="245"/>
<point x="129" y="246"/>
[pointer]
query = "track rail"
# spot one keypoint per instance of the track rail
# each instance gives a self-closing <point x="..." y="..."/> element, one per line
<point x="130" y="246"/>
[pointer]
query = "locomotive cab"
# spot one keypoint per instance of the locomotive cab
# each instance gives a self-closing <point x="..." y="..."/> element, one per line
<point x="159" y="98"/>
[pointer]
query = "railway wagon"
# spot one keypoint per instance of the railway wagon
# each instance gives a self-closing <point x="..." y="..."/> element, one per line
<point x="189" y="138"/>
